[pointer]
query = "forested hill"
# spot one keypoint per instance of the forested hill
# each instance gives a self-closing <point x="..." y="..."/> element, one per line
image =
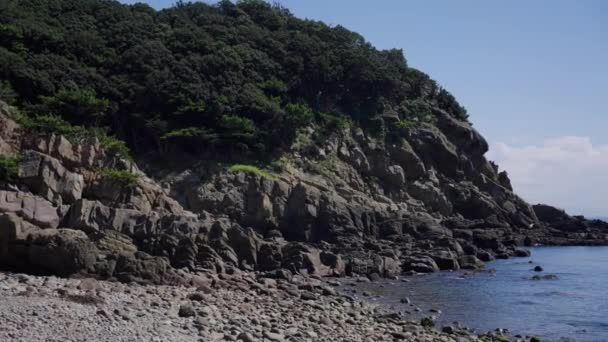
<point x="196" y="77"/>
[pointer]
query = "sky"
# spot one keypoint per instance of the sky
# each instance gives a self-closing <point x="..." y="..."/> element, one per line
<point x="533" y="76"/>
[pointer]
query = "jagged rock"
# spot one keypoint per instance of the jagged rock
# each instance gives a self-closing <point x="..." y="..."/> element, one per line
<point x="355" y="157"/>
<point x="146" y="197"/>
<point x="422" y="264"/>
<point x="141" y="267"/>
<point x="93" y="216"/>
<point x="503" y="179"/>
<point x="60" y="251"/>
<point x="14" y="232"/>
<point x="431" y="196"/>
<point x="32" y="208"/>
<point x="404" y="154"/>
<point x="470" y="262"/>
<point x="47" y="177"/>
<point x="446" y="260"/>
<point x="270" y="256"/>
<point x="300" y="257"/>
<point x="87" y="154"/>
<point x="395" y="175"/>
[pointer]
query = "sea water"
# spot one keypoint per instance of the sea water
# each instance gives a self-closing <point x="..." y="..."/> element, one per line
<point x="573" y="307"/>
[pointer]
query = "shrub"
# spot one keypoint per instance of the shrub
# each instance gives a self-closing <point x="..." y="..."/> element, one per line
<point x="280" y="164"/>
<point x="114" y="146"/>
<point x="191" y="134"/>
<point x="126" y="178"/>
<point x="535" y="339"/>
<point x="7" y="94"/>
<point x="251" y="169"/>
<point x="54" y="124"/>
<point x="78" y="105"/>
<point x="334" y="120"/>
<point x="9" y="169"/>
<point x="238" y="126"/>
<point x="299" y="114"/>
<point x="50" y="123"/>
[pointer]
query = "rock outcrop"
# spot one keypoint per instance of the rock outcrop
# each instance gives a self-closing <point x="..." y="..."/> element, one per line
<point x="351" y="204"/>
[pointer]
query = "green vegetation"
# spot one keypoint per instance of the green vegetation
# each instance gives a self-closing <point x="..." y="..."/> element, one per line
<point x="239" y="77"/>
<point x="535" y="339"/>
<point x="55" y="124"/>
<point x="502" y="339"/>
<point x="252" y="169"/>
<point x="126" y="178"/>
<point x="9" y="168"/>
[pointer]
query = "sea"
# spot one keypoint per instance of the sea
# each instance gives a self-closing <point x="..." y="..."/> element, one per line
<point x="572" y="307"/>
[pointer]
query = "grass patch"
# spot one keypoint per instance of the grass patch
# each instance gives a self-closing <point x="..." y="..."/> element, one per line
<point x="9" y="169"/>
<point x="502" y="339"/>
<point x="128" y="179"/>
<point x="252" y="169"/>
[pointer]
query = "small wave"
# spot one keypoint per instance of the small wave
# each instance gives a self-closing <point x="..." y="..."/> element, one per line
<point x="553" y="294"/>
<point x="587" y="324"/>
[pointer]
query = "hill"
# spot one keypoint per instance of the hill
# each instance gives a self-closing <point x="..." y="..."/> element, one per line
<point x="152" y="146"/>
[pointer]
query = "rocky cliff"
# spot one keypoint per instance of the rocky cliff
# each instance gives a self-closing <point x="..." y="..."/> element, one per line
<point x="349" y="203"/>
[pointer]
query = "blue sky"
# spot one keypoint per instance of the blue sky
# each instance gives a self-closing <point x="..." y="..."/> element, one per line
<point x="532" y="74"/>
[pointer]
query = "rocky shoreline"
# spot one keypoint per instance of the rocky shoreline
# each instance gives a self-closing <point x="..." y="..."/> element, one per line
<point x="236" y="307"/>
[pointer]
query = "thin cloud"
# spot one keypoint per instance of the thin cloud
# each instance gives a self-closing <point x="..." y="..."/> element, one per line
<point x="569" y="172"/>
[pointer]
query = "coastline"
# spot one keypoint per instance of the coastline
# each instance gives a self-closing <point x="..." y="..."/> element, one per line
<point x="215" y="308"/>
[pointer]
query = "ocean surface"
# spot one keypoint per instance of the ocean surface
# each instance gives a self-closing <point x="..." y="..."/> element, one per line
<point x="572" y="308"/>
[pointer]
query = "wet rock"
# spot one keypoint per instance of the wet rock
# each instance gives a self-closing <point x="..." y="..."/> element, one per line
<point x="538" y="269"/>
<point x="545" y="277"/>
<point x="471" y="262"/>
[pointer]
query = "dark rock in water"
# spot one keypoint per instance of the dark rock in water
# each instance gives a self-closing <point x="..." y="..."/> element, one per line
<point x="448" y="329"/>
<point x="484" y="255"/>
<point x="545" y="277"/>
<point x="471" y="262"/>
<point x="538" y="269"/>
<point x="405" y="301"/>
<point x="427" y="322"/>
<point x="522" y="253"/>
<point x="502" y="255"/>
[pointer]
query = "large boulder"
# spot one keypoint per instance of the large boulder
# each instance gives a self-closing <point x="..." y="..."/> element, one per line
<point x="298" y="257"/>
<point x="33" y="209"/>
<point x="61" y="251"/>
<point x="420" y="263"/>
<point x="47" y="177"/>
<point x="14" y="232"/>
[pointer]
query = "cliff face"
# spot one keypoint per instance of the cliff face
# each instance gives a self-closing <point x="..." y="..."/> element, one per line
<point x="350" y="203"/>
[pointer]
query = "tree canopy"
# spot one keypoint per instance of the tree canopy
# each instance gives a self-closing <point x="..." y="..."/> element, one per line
<point x="201" y="76"/>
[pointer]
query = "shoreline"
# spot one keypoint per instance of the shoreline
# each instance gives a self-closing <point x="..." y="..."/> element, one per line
<point x="225" y="308"/>
<point x="228" y="307"/>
